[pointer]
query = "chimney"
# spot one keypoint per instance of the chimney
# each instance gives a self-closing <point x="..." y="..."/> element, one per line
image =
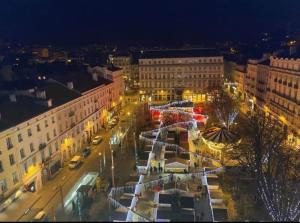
<point x="41" y="94"/>
<point x="49" y="103"/>
<point x="70" y="85"/>
<point x="12" y="98"/>
<point x="95" y="76"/>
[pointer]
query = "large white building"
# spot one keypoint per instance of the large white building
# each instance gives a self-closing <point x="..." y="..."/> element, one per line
<point x="44" y="122"/>
<point x="166" y="75"/>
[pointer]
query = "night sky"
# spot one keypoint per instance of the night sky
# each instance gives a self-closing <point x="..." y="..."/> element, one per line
<point x="144" y="21"/>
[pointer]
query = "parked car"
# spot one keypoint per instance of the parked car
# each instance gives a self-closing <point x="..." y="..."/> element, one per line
<point x="75" y="162"/>
<point x="86" y="151"/>
<point x="97" y="140"/>
<point x="41" y="217"/>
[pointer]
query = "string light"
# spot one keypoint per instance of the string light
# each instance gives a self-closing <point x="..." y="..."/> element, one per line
<point x="183" y="119"/>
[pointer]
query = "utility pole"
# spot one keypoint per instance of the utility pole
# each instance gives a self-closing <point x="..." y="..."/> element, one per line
<point x="62" y="198"/>
<point x="112" y="166"/>
<point x="100" y="164"/>
<point x="135" y="151"/>
<point x="53" y="213"/>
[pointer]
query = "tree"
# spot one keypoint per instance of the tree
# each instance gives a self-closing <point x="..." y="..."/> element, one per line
<point x="225" y="108"/>
<point x="273" y="163"/>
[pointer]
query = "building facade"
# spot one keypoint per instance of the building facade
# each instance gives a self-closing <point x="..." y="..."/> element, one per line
<point x="256" y="81"/>
<point x="239" y="75"/>
<point x="272" y="84"/>
<point x="55" y="118"/>
<point x="179" y="74"/>
<point x="283" y="96"/>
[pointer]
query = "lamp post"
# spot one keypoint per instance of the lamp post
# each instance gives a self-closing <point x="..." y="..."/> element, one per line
<point x="100" y="164"/>
<point x="112" y="166"/>
<point x="104" y="159"/>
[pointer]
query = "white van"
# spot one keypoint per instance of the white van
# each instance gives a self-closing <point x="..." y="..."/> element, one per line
<point x="75" y="161"/>
<point x="41" y="217"/>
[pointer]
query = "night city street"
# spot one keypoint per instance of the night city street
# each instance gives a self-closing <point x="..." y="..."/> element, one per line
<point x="150" y="111"/>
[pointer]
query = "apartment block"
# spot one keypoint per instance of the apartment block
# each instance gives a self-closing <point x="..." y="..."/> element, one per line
<point x="44" y="122"/>
<point x="166" y="75"/>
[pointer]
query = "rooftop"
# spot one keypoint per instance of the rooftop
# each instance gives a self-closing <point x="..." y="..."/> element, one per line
<point x="113" y="68"/>
<point x="28" y="106"/>
<point x="179" y="53"/>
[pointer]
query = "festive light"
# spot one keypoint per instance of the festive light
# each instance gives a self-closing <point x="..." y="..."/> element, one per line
<point x="170" y="117"/>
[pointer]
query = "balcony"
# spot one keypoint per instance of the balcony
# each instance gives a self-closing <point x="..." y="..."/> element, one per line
<point x="42" y="146"/>
<point x="71" y="113"/>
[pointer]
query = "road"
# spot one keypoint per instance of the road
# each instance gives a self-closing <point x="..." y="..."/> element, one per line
<point x="50" y="197"/>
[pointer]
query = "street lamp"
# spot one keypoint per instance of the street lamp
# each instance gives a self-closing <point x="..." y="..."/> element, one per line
<point x="100" y="164"/>
<point x="112" y="166"/>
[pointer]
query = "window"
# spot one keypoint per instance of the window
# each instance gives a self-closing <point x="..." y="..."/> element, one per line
<point x="48" y="136"/>
<point x="56" y="146"/>
<point x="38" y="127"/>
<point x="9" y="143"/>
<point x="1" y="167"/>
<point x="46" y="123"/>
<point x="25" y="167"/>
<point x="22" y="153"/>
<point x="20" y="139"/>
<point x="31" y="147"/>
<point x="3" y="185"/>
<point x="15" y="177"/>
<point x="54" y="132"/>
<point x="34" y="160"/>
<point x="53" y="120"/>
<point x="29" y="132"/>
<point x="11" y="159"/>
<point x="50" y="150"/>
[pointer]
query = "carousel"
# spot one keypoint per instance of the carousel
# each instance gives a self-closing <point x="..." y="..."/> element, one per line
<point x="218" y="138"/>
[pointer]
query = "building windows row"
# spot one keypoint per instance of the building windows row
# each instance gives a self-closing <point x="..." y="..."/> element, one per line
<point x="180" y="61"/>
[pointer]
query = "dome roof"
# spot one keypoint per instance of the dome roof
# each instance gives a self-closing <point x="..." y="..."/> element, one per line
<point x="220" y="135"/>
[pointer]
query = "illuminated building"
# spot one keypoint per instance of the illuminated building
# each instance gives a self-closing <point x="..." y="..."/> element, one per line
<point x="45" y="122"/>
<point x="167" y="75"/>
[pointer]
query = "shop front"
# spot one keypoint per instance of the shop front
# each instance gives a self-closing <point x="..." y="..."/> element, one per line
<point x="32" y="180"/>
<point x="51" y="166"/>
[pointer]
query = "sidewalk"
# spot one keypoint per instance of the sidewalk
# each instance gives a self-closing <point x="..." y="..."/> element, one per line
<point x="49" y="192"/>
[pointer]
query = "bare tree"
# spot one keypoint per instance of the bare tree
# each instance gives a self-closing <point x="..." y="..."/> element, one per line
<point x="225" y="108"/>
<point x="274" y="165"/>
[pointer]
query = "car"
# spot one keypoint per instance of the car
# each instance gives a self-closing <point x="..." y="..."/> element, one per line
<point x="41" y="217"/>
<point x="97" y="140"/>
<point x="86" y="151"/>
<point x="75" y="162"/>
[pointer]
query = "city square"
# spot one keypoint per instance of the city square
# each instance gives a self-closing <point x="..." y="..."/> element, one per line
<point x="150" y="112"/>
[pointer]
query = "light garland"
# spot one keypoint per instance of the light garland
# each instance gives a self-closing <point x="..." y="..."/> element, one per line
<point x="271" y="192"/>
<point x="189" y="123"/>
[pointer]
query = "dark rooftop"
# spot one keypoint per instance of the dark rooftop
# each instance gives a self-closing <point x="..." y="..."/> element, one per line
<point x="13" y="113"/>
<point x="113" y="68"/>
<point x="179" y="53"/>
<point x="265" y="62"/>
<point x="27" y="107"/>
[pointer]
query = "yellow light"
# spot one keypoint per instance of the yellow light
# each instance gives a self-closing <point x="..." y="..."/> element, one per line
<point x="283" y="119"/>
<point x="141" y="92"/>
<point x="128" y="113"/>
<point x="266" y="109"/>
<point x="121" y="98"/>
<point x="113" y="104"/>
<point x="32" y="169"/>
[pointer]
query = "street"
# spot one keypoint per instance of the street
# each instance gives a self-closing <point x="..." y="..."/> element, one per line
<point x="49" y="197"/>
